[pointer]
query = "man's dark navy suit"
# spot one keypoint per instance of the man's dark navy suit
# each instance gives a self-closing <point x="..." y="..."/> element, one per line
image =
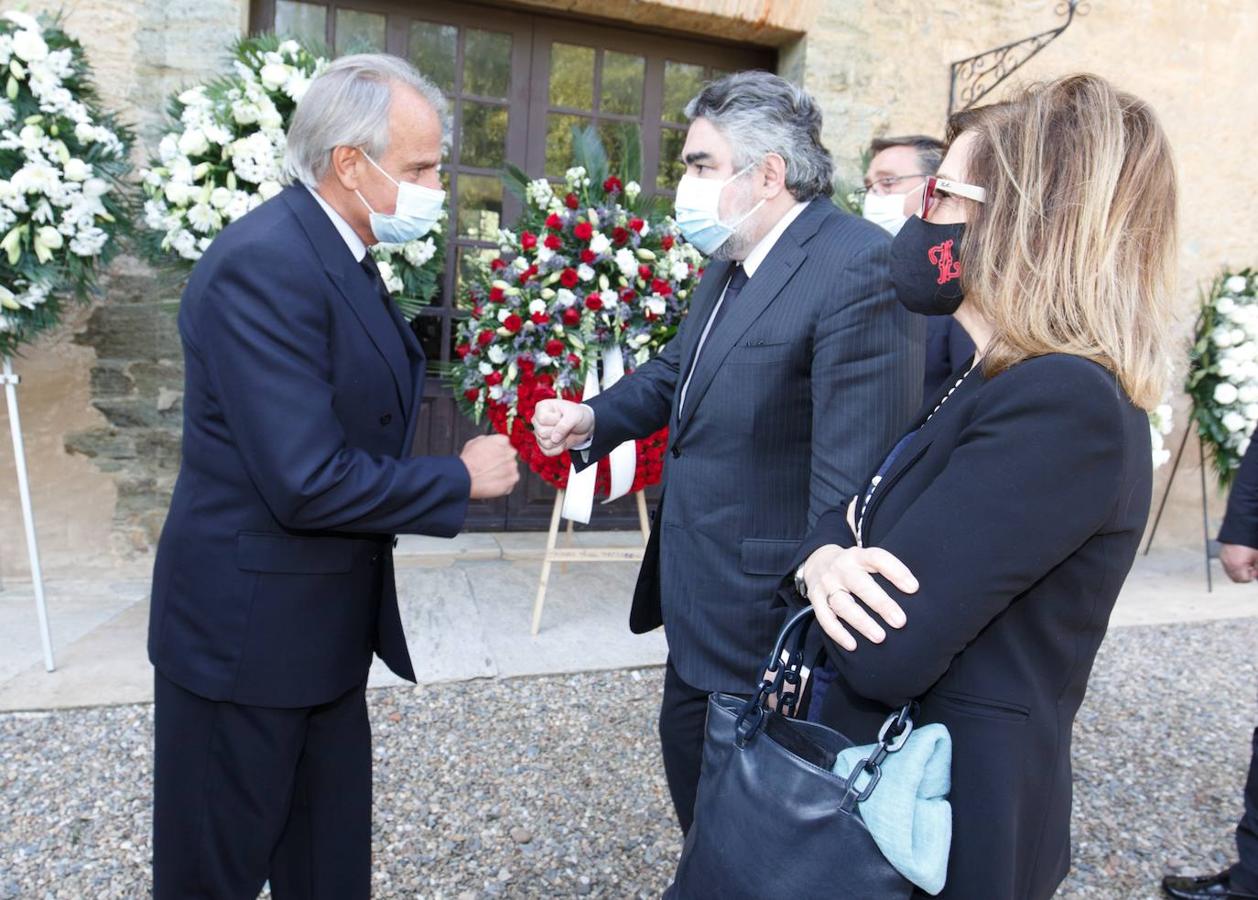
<point x="273" y="582"/>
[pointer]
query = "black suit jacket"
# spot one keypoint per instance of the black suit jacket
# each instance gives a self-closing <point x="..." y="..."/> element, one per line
<point x="1019" y="507"/>
<point x="1240" y="525"/>
<point x="948" y="347"/>
<point x="808" y="376"/>
<point x="273" y="580"/>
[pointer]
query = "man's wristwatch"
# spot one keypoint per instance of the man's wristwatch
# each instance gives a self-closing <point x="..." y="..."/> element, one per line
<point x="801" y="586"/>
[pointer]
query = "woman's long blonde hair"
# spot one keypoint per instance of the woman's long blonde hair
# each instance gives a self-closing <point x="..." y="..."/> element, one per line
<point x="1074" y="250"/>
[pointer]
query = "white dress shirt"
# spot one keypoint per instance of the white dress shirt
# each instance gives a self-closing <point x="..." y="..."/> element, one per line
<point x="750" y="265"/>
<point x="352" y="240"/>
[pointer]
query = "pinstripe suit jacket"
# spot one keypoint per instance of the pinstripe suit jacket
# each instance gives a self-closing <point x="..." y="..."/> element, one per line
<point x="798" y="392"/>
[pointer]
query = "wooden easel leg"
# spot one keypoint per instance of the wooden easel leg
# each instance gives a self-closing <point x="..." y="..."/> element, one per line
<point x="551" y="540"/>
<point x="1205" y="518"/>
<point x="644" y="520"/>
<point x="567" y="544"/>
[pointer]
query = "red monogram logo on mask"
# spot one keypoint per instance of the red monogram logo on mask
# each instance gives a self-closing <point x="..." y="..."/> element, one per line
<point x="941" y="255"/>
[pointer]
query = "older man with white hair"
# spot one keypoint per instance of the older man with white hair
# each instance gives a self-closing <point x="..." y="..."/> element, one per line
<point x="273" y="583"/>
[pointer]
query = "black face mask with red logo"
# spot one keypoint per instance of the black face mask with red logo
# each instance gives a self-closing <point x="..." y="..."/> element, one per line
<point x="926" y="266"/>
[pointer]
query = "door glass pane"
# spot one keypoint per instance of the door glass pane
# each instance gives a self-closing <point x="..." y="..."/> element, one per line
<point x="623" y="77"/>
<point x="616" y="136"/>
<point x="306" y="22"/>
<point x="359" y="32"/>
<point x="681" y="83"/>
<point x="480" y="206"/>
<point x="572" y="76"/>
<point x="428" y="328"/>
<point x="672" y="140"/>
<point x="432" y="49"/>
<point x="559" y="142"/>
<point x="487" y="64"/>
<point x="484" y="135"/>
<point x="473" y="263"/>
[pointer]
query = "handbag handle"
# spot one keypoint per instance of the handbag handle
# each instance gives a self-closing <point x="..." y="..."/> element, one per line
<point x="892" y="735"/>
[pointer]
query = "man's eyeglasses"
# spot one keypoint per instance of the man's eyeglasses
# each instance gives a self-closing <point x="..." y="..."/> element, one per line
<point x="937" y="188"/>
<point x="887" y="183"/>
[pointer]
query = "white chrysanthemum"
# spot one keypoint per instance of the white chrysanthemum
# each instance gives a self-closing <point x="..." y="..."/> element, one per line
<point x="418" y="253"/>
<point x="203" y="218"/>
<point x="600" y="243"/>
<point x="88" y="242"/>
<point x="6" y="112"/>
<point x="77" y="170"/>
<point x="497" y="354"/>
<point x="1236" y="284"/>
<point x="627" y="263"/>
<point x="1236" y="424"/>
<point x="585" y="273"/>
<point x="185" y="244"/>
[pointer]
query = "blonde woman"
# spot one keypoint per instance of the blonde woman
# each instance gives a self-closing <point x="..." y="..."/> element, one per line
<point x="977" y="570"/>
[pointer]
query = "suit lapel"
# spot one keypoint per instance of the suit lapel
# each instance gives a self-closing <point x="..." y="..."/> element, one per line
<point x="355" y="286"/>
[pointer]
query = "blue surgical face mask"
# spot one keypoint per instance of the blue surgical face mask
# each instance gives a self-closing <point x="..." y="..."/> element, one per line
<point x="418" y="209"/>
<point x="697" y="211"/>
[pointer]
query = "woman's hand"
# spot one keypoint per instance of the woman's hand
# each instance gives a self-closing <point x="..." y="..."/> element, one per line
<point x="838" y="578"/>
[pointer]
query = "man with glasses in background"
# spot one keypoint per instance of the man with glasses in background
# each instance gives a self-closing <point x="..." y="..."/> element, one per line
<point x="898" y="168"/>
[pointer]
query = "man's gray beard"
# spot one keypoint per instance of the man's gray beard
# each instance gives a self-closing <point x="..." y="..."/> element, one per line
<point x="737" y="247"/>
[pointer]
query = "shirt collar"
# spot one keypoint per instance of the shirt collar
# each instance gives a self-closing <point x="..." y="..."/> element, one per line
<point x="352" y="240"/>
<point x="761" y="250"/>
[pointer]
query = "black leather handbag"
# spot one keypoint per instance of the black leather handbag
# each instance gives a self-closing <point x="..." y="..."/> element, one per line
<point x="771" y="819"/>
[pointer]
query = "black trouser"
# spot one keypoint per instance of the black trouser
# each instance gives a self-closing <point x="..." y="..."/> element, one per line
<point x="683" y="717"/>
<point x="243" y="794"/>
<point x="1245" y="873"/>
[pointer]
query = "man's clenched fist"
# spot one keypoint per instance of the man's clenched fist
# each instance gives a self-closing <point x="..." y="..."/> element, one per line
<point x="560" y="425"/>
<point x="490" y="460"/>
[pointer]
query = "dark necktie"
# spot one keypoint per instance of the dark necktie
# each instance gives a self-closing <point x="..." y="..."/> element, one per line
<point x="373" y="272"/>
<point x="737" y="280"/>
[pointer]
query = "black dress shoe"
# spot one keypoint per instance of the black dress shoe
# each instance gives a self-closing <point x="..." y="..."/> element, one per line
<point x="1204" y="887"/>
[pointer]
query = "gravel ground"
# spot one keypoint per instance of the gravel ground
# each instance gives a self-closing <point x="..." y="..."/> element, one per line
<point x="551" y="787"/>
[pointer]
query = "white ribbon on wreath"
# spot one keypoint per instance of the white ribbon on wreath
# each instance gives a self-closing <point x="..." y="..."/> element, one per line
<point x="579" y="497"/>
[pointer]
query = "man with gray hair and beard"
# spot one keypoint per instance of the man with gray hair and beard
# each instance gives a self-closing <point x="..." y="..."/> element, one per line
<point x="273" y="583"/>
<point x="793" y="373"/>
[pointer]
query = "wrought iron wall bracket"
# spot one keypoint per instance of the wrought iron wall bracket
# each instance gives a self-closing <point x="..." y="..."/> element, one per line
<point x="975" y="77"/>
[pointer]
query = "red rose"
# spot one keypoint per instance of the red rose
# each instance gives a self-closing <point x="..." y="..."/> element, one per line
<point x="485" y="338"/>
<point x="666" y="242"/>
<point x="496" y="295"/>
<point x="476" y="310"/>
<point x="528" y="273"/>
<point x="645" y="273"/>
<point x="571" y="201"/>
<point x="588" y="256"/>
<point x="613" y="185"/>
<point x="554" y="222"/>
<point x="554" y="347"/>
<point x="513" y="323"/>
<point x="628" y="295"/>
<point x="584" y="231"/>
<point x="528" y="240"/>
<point x="574" y="359"/>
<point x="594" y="302"/>
<point x="661" y="287"/>
<point x="636" y="225"/>
<point x="650" y="316"/>
<point x="619" y="236"/>
<point x="572" y="316"/>
<point x="493" y="378"/>
<point x="569" y="278"/>
<point x="463" y="350"/>
<point x="553" y="242"/>
<point x="472" y="395"/>
<point x="527" y="368"/>
<point x="540" y="318"/>
<point x="497" y="264"/>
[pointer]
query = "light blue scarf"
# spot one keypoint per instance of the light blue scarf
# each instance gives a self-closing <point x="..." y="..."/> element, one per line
<point x="908" y="813"/>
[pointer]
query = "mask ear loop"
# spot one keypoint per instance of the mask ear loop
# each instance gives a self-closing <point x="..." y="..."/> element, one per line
<point x="751" y="212"/>
<point x="367" y="156"/>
